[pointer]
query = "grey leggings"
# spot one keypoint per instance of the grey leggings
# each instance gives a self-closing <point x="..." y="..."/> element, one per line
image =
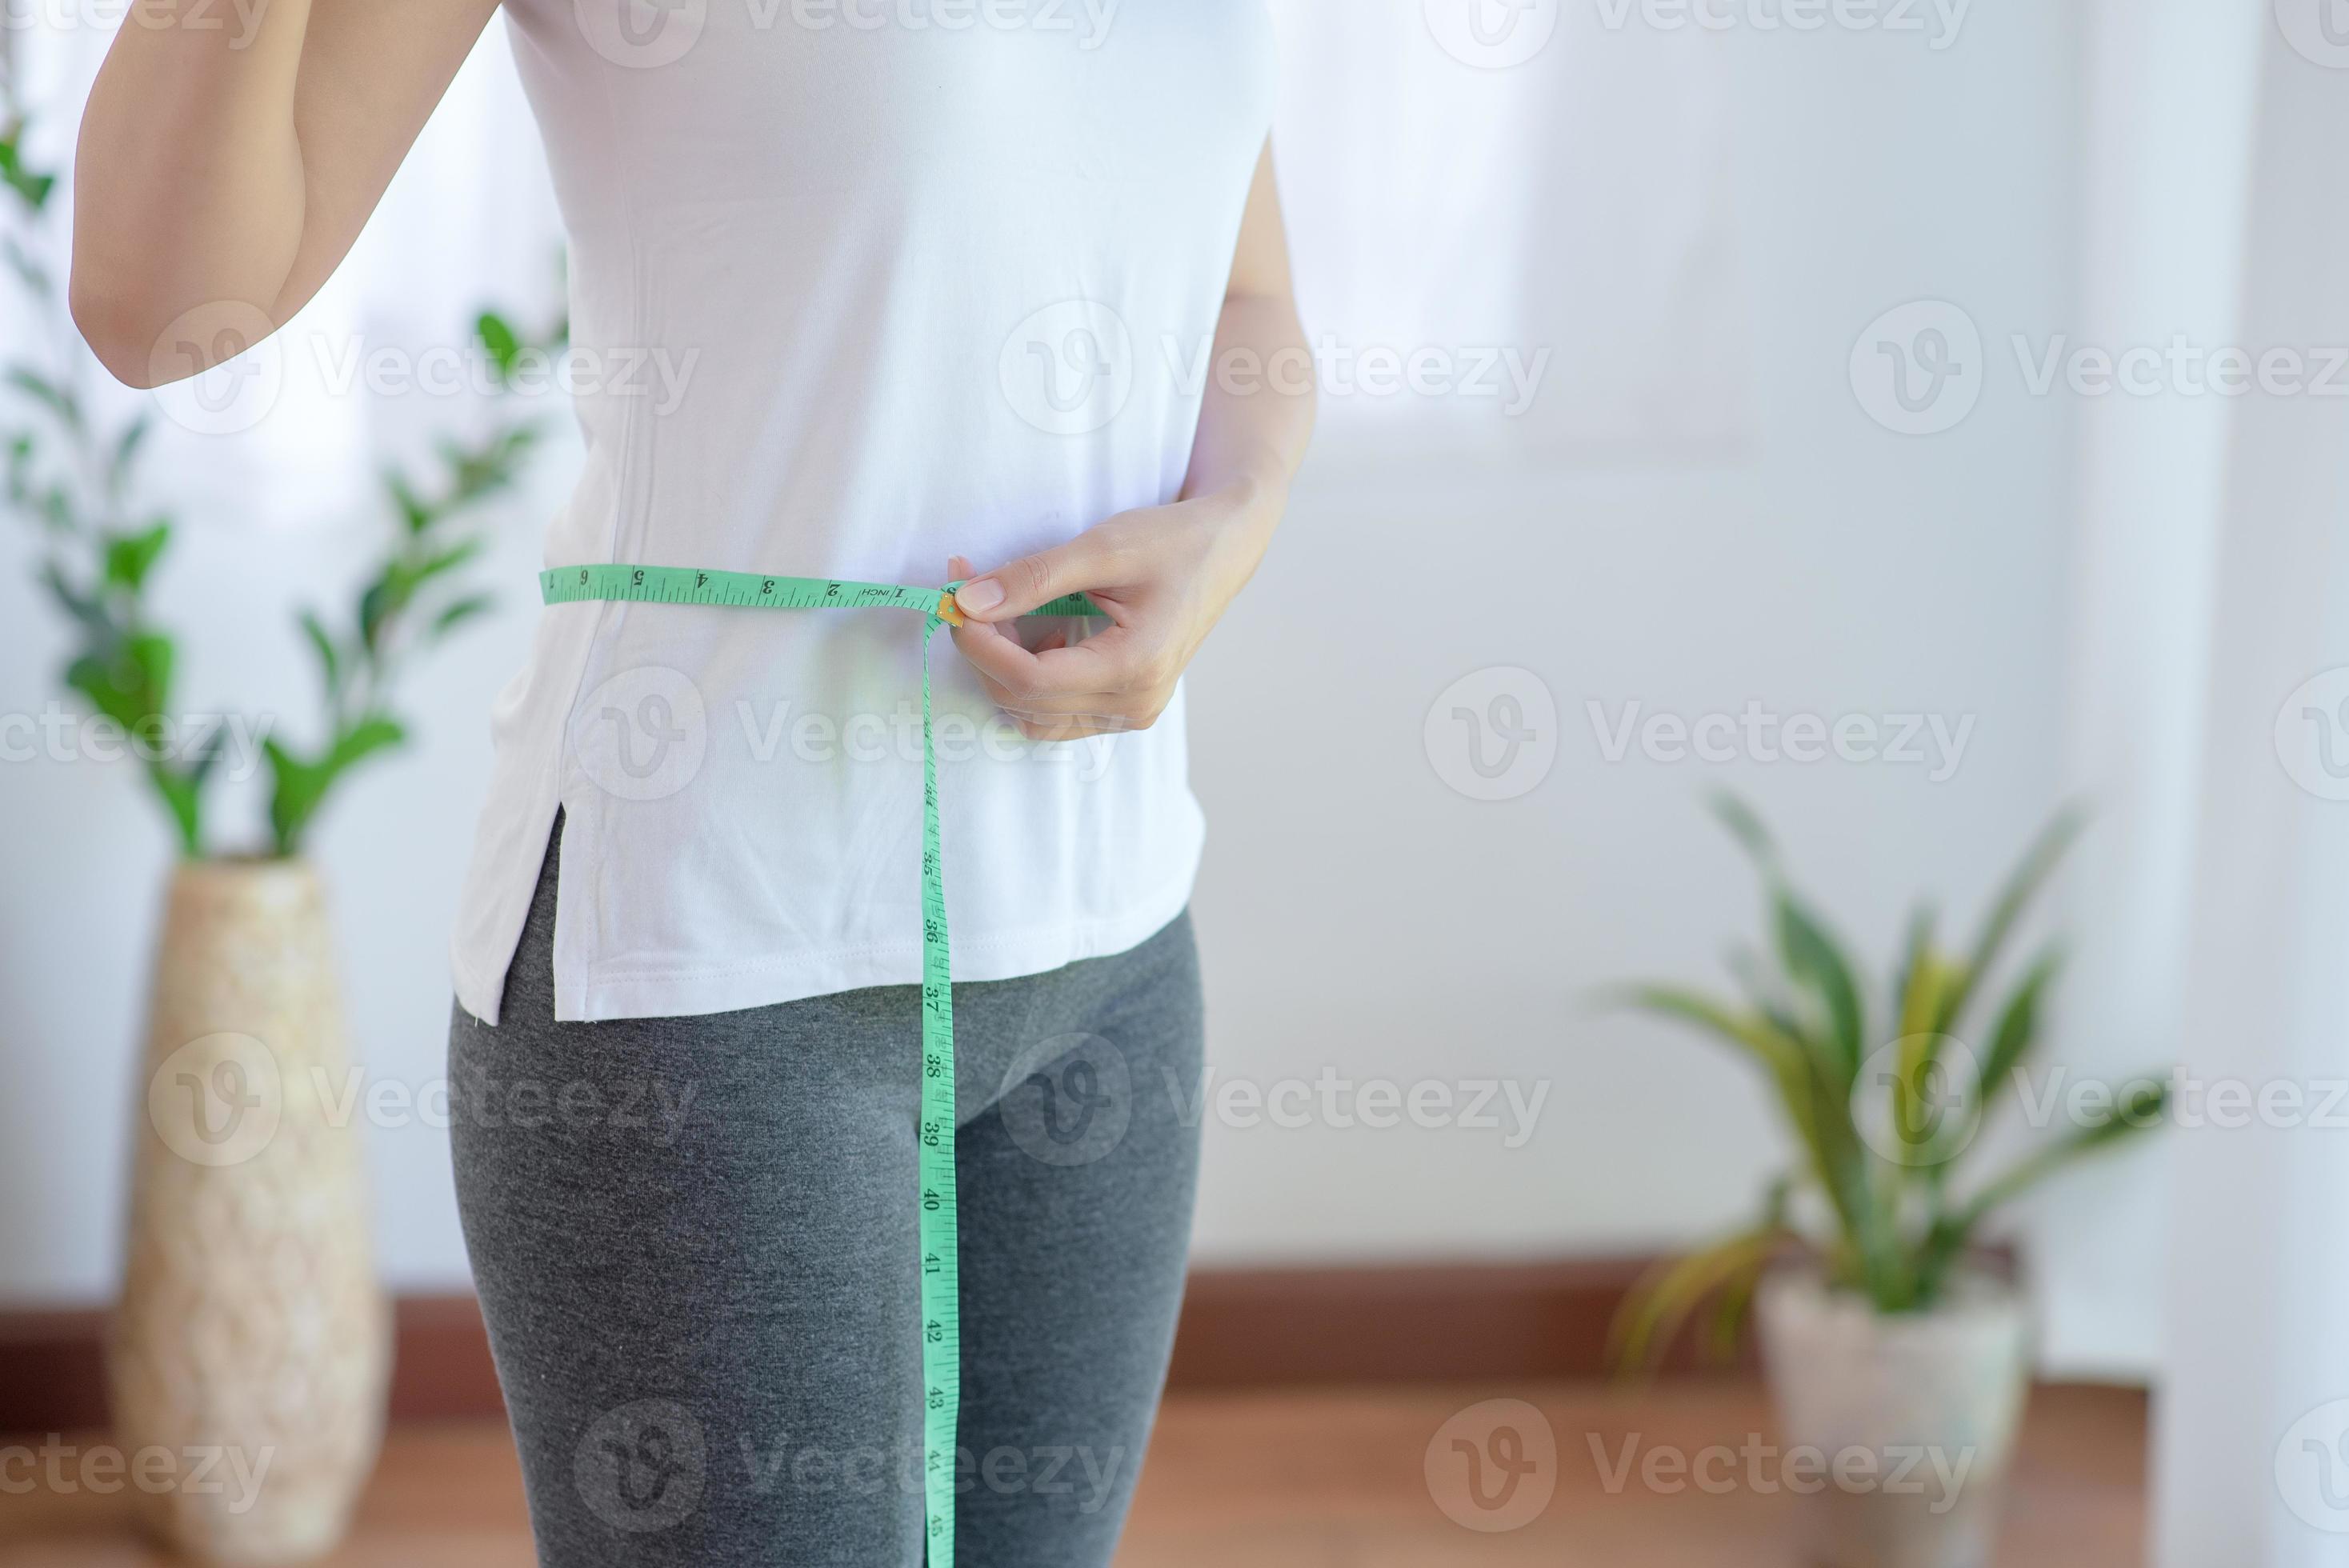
<point x="695" y="1243"/>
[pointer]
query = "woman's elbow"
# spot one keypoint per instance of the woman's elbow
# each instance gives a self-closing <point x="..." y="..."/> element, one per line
<point x="118" y="333"/>
<point x="144" y="342"/>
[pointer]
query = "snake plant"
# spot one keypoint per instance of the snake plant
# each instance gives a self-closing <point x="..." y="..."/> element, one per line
<point x="1884" y="1098"/>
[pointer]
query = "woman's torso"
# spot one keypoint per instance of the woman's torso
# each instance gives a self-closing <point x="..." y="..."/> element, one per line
<point x="855" y="285"/>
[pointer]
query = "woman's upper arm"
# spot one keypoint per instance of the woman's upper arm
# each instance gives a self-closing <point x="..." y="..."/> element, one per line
<point x="1260" y="261"/>
<point x="380" y="68"/>
<point x="225" y="171"/>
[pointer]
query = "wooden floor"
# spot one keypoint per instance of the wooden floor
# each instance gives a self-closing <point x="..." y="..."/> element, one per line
<point x="1296" y="1480"/>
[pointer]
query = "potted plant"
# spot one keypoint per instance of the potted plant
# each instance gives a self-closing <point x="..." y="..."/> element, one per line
<point x="252" y="1338"/>
<point x="1898" y="1353"/>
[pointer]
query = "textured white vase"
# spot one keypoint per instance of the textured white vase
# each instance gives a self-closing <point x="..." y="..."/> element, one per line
<point x="251" y="1343"/>
<point x="1913" y="1418"/>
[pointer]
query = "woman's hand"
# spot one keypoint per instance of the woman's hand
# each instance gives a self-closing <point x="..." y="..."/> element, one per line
<point x="1165" y="574"/>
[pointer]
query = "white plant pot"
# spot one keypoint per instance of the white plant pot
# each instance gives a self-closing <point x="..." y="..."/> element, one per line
<point x="1912" y="1420"/>
<point x="249" y="1353"/>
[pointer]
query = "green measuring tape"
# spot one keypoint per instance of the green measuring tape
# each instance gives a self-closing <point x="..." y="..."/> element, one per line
<point x="941" y="1271"/>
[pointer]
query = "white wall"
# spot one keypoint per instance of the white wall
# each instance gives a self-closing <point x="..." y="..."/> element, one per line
<point x="1357" y="912"/>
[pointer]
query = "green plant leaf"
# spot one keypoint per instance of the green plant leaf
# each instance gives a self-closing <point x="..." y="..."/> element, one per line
<point x="129" y="556"/>
<point x="126" y="455"/>
<point x="1749" y="1032"/>
<point x="452" y="616"/>
<point x="2017" y="1029"/>
<point x="330" y="662"/>
<point x="32" y="187"/>
<point x="41" y="389"/>
<point x="1817" y="965"/>
<point x="2022" y="884"/>
<point x="413" y="509"/>
<point x="1746" y="825"/>
<point x="1661" y="1302"/>
<point x="500" y="342"/>
<point x="2140" y="1110"/>
<point x="299" y="787"/>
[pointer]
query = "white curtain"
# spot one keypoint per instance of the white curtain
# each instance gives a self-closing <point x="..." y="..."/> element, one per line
<point x="1542" y="207"/>
<point x="2212" y="695"/>
<point x="2254" y="1459"/>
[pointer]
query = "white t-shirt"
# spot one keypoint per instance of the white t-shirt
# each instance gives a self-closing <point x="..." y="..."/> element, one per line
<point x="856" y="284"/>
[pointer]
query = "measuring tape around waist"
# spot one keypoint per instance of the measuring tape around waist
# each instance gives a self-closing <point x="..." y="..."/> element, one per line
<point x="941" y="1274"/>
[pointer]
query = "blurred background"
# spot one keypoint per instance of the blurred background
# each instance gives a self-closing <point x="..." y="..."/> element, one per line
<point x="1910" y="417"/>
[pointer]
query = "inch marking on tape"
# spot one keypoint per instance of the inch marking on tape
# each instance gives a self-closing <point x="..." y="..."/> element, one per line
<point x="941" y="1274"/>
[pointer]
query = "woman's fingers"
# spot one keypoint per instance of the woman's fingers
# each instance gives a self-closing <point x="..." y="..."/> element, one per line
<point x="1051" y="679"/>
<point x="1096" y="559"/>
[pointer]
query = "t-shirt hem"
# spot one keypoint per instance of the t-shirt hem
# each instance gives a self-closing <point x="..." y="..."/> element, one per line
<point x="801" y="976"/>
<point x="695" y="993"/>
